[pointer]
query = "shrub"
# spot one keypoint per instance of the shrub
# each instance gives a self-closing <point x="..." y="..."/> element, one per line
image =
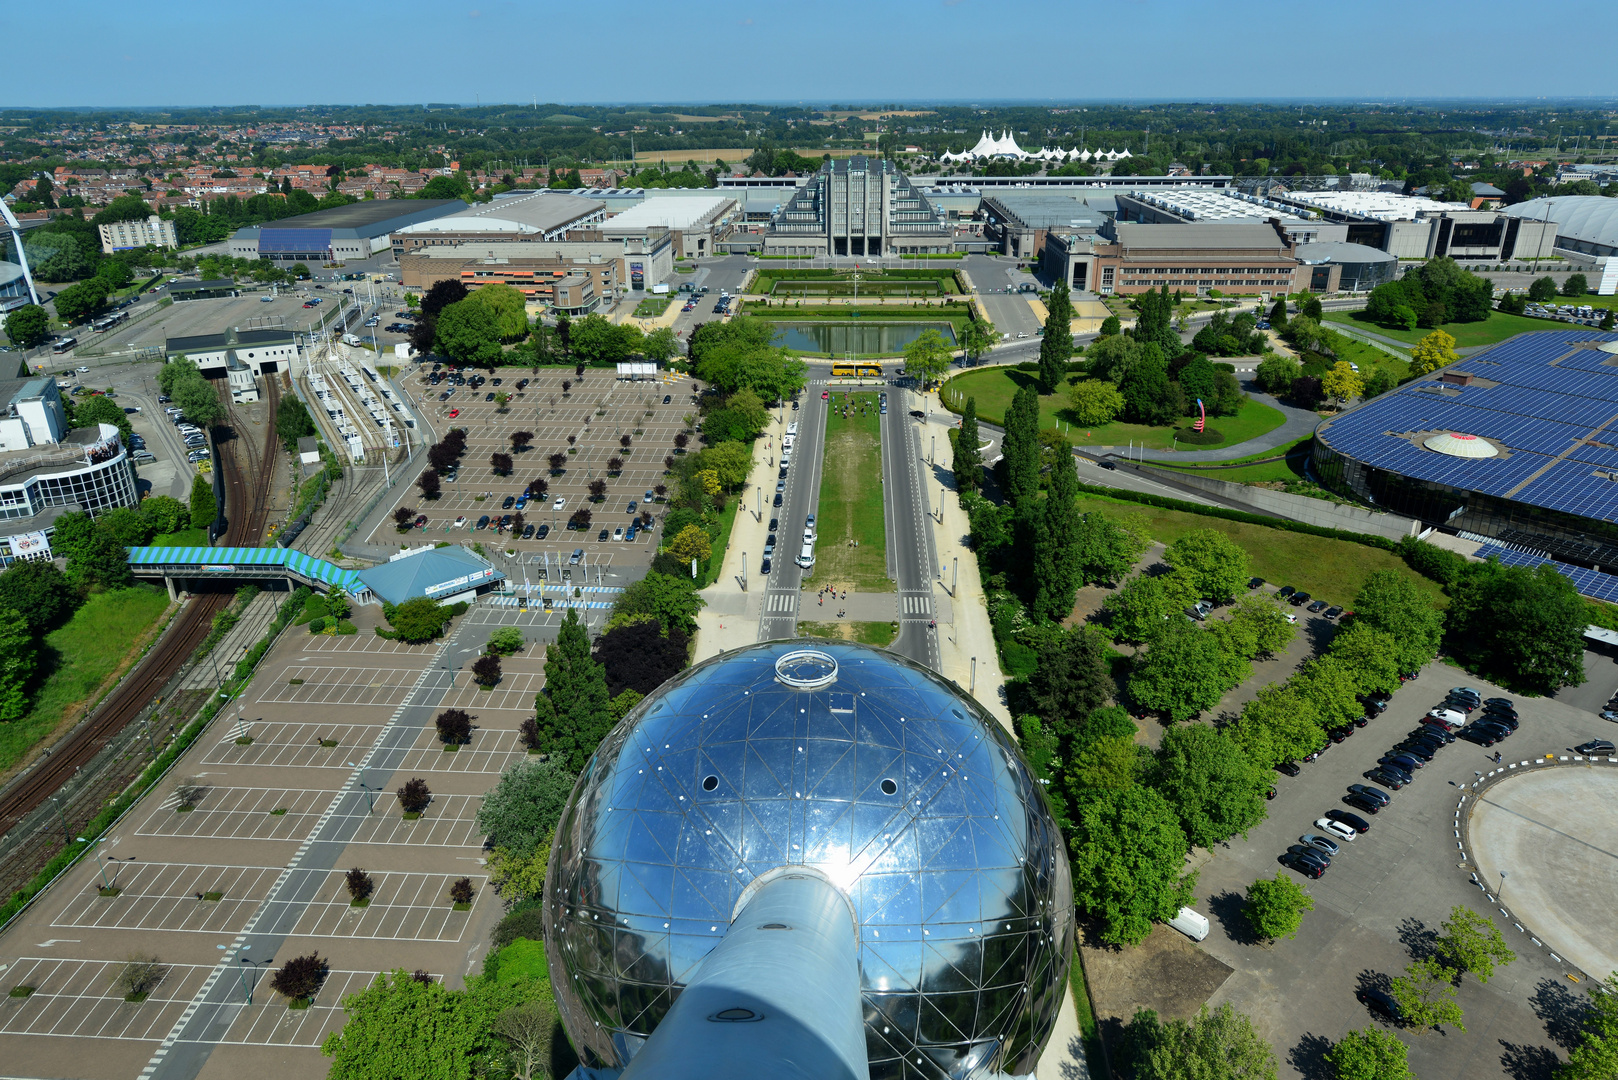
<point x="525" y="920"/>
<point x="461" y="891"/>
<point x="139" y="976"/>
<point x="454" y="726"/>
<point x="486" y="670"/>
<point x="506" y="641"/>
<point x="415" y="795"/>
<point x="300" y="977"/>
<point x="359" y="884"/>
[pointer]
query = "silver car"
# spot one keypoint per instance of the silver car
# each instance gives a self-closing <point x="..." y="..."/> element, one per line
<point x="1319" y="843"/>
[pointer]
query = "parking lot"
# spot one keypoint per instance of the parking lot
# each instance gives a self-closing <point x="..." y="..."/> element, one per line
<point x="596" y="414"/>
<point x="1381" y="901"/>
<point x="254" y="873"/>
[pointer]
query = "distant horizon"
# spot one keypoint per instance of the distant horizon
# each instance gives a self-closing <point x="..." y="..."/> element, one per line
<point x="961" y="52"/>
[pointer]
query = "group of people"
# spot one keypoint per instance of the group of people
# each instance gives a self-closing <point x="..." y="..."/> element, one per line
<point x="827" y="590"/>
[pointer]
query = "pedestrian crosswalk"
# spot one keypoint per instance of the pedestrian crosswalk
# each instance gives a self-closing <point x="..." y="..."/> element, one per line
<point x="781" y="602"/>
<point x="915" y="604"/>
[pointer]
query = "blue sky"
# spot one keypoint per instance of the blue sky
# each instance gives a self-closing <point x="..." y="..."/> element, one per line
<point x="180" y="52"/>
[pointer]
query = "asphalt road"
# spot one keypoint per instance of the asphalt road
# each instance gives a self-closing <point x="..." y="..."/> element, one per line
<point x="784" y="584"/>
<point x="909" y="540"/>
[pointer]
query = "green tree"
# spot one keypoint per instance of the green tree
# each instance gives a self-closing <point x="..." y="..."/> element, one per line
<point x="529" y="1032"/>
<point x="1128" y="855"/>
<point x="1216" y="566"/>
<point x="204" y="507"/>
<point x="1328" y="684"/>
<point x="1259" y="621"/>
<point x="419" y="619"/>
<point x="968" y="463"/>
<point x="1341" y="382"/>
<point x="89" y="411"/>
<point x="731" y="462"/>
<point x="1275" y="373"/>
<point x="1370" y="654"/>
<point x="78" y="302"/>
<point x="404" y="1026"/>
<point x="28" y="326"/>
<point x="165" y="513"/>
<point x="1380" y="381"/>
<point x="1596" y="1056"/>
<point x="1070" y="681"/>
<point x="1575" y="285"/>
<point x="293" y="422"/>
<point x="1525" y="625"/>
<point x="691" y="543"/>
<point x="1020" y="446"/>
<point x="1426" y="996"/>
<point x="1110" y="327"/>
<point x="1056" y="347"/>
<point x="1275" y="907"/>
<point x="572" y="713"/>
<point x="39" y="592"/>
<point x="1095" y="402"/>
<point x="1058" y="570"/>
<point x="1150" y="396"/>
<point x="99" y="562"/>
<point x="927" y="357"/>
<point x="1396" y="604"/>
<point x="1542" y="290"/>
<point x="1145" y="605"/>
<point x="977" y="337"/>
<point x="1214" y="789"/>
<point x="1107" y="549"/>
<point x="126" y="525"/>
<point x="525" y="805"/>
<point x="19" y="656"/>
<point x="1217" y="1045"/>
<point x="1180" y="673"/>
<point x="468" y="332"/>
<point x="1279" y="724"/>
<point x="506" y="304"/>
<point x="673" y="601"/>
<point x="1472" y="943"/>
<point x="1372" y="1054"/>
<point x="1433" y="352"/>
<point x="194" y="394"/>
<point x="596" y="341"/>
<point x="660" y="344"/>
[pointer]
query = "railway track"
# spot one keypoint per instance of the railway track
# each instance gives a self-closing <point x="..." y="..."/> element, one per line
<point x="248" y="484"/>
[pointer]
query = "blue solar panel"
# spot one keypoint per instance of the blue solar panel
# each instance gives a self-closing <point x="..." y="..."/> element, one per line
<point x="1591" y="583"/>
<point x="1551" y="395"/>
<point x="299" y="240"/>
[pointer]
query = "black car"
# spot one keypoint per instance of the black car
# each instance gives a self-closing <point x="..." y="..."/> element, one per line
<point x="1353" y="821"/>
<point x="1106" y="463"/>
<point x="1299" y="599"/>
<point x="777" y="502"/>
<point x="764" y="567"/>
<point x="1488" y="710"/>
<point x="775" y="523"/>
<point x="1380" y="1001"/>
<point x="483" y="522"/>
<point x="1498" y="732"/>
<point x="667" y="399"/>
<point x="1382" y="797"/>
<point x="1500" y="719"/>
<point x="1333" y="612"/>
<point x="1387" y="778"/>
<point x="1363" y="802"/>
<point x="509" y="499"/>
<point x="1406" y="761"/>
<point x="544" y="531"/>
<point x="1460" y="704"/>
<point x="1503" y="701"/>
<point x="1482" y="734"/>
<point x="1596" y="746"/>
<point x="1288" y="767"/>
<point x="1304" y="851"/>
<point x="528" y="531"/>
<point x="1338" y="734"/>
<point x="495" y="382"/>
<point x="521" y="383"/>
<point x="1417" y="748"/>
<point x="1404" y="775"/>
<point x="1256" y="583"/>
<point x="489" y="396"/>
<point x="1372" y="703"/>
<point x="1307" y="867"/>
<point x="1434" y="734"/>
<point x="1285" y="591"/>
<point x="601" y="537"/>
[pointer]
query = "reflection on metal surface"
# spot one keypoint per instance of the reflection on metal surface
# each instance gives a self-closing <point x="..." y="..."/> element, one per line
<point x="807" y="669"/>
<point x="913" y="802"/>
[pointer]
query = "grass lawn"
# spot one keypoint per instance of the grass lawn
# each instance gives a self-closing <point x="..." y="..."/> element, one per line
<point x="994" y="387"/>
<point x="183" y="538"/>
<point x="1368" y="356"/>
<point x="1330" y="570"/>
<point x="850" y="506"/>
<point x="1249" y="470"/>
<point x="716" y="558"/>
<point x="652" y="307"/>
<point x="1496" y="328"/>
<point x="105" y="632"/>
<point x="879" y="634"/>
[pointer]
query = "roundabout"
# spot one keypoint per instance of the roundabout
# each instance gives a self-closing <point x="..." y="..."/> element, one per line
<point x="1545" y="846"/>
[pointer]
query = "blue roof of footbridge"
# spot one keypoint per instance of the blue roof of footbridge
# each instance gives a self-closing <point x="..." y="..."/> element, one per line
<point x="296" y="561"/>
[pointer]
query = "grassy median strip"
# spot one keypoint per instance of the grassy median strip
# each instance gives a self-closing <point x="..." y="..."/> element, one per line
<point x="852" y="550"/>
<point x="879" y="634"/>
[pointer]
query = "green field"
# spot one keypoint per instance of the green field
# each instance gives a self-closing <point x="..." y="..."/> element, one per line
<point x="879" y="634"/>
<point x="1496" y="328"/>
<point x="652" y="307"/>
<point x="78" y="657"/>
<point x="907" y="282"/>
<point x="994" y="387"/>
<point x="1251" y="470"/>
<point x="850" y="506"/>
<point x="1330" y="570"/>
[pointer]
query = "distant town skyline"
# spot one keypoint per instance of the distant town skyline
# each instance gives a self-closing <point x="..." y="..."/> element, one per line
<point x="100" y="53"/>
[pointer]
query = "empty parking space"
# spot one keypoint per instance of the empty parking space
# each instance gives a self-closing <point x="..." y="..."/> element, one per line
<point x="451" y="821"/>
<point x="310" y="685"/>
<point x="488" y="752"/>
<point x="268" y="1022"/>
<point x="243" y="813"/>
<point x="299" y="745"/>
<point x="403" y="907"/>
<point x="515" y="692"/>
<point x="80" y="998"/>
<point x="199" y="898"/>
<point x="364" y="643"/>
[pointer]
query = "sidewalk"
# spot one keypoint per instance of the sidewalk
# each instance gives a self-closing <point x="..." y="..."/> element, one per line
<point x="968" y="634"/>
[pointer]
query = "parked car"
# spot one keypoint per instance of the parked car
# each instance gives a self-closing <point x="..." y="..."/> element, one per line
<point x="1336" y="829"/>
<point x="1442" y="736"/>
<point x="1285" y="591"/>
<point x="1318" y="606"/>
<point x="1310" y="852"/>
<point x="1353" y="821"/>
<point x="1387" y="778"/>
<point x="1299" y="599"/>
<point x="1363" y="802"/>
<point x="528" y="531"/>
<point x="1376" y="794"/>
<point x="1333" y="612"/>
<point x="543" y="532"/>
<point x="1596" y="746"/>
<point x="601" y="537"/>
<point x="1256" y="583"/>
<point x="507" y="503"/>
<point x="1304" y="866"/>
<point x="1288" y="767"/>
<point x="483" y="522"/>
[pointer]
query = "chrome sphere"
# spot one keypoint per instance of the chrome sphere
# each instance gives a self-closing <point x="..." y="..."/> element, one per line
<point x="890" y="780"/>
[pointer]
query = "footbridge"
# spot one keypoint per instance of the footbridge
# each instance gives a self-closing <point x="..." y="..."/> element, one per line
<point x="180" y="567"/>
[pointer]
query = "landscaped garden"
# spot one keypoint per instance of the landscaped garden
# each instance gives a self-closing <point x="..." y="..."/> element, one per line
<point x="850" y="509"/>
<point x="1496" y="328"/>
<point x="919" y="284"/>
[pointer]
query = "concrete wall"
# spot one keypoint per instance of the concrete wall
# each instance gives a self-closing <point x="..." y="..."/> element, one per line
<point x="1292" y="507"/>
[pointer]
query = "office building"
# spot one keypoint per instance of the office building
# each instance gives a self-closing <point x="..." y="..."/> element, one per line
<point x="1515" y="446"/>
<point x="695" y="222"/>
<point x="151" y="232"/>
<point x="356" y="231"/>
<point x="516" y="216"/>
<point x="1127" y="258"/>
<point x="859" y="206"/>
<point x="1337" y="266"/>
<point x="1414" y="227"/>
<point x="533" y="268"/>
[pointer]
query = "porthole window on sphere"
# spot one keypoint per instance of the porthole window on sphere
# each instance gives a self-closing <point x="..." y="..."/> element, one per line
<point x="709" y="783"/>
<point x="889" y="787"/>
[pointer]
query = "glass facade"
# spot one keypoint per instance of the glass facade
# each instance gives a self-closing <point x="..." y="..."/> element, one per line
<point x="104" y="485"/>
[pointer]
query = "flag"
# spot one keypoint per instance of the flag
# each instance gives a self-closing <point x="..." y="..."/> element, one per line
<point x="1202" y="417"/>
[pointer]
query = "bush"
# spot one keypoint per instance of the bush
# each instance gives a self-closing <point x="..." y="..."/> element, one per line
<point x="461" y="892"/>
<point x="139" y="976"/>
<point x="415" y="795"/>
<point x="454" y="727"/>
<point x="506" y="641"/>
<point x="525" y="920"/>
<point x="359" y="884"/>
<point x="486" y="670"/>
<point x="300" y="977"/>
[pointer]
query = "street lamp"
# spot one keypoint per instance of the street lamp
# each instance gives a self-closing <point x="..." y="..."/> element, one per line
<point x="370" y="793"/>
<point x="105" y="884"/>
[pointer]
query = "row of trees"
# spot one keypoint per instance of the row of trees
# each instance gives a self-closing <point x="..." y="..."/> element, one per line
<point x="1147" y="375"/>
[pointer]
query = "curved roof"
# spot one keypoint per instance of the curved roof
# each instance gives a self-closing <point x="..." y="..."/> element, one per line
<point x="1335" y="251"/>
<point x="1591" y="218"/>
<point x="1456" y="444"/>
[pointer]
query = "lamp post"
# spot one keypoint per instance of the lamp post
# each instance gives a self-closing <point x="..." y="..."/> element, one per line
<point x="1502" y="884"/>
<point x="370" y="793"/>
<point x="105" y="884"/>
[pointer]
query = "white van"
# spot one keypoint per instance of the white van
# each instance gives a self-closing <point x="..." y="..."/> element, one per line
<point x="806" y="557"/>
<point x="1191" y="922"/>
<point x="786" y="441"/>
<point x="792" y="430"/>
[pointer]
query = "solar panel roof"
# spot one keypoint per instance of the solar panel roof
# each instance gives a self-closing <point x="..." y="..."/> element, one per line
<point x="1551" y="401"/>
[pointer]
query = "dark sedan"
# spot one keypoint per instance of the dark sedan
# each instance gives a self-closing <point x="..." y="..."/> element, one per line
<point x="1305" y="866"/>
<point x="1353" y="821"/>
<point x="1386" y="778"/>
<point x="1363" y="802"/>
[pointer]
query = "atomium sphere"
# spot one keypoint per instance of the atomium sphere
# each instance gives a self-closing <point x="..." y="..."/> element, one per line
<point x="890" y="781"/>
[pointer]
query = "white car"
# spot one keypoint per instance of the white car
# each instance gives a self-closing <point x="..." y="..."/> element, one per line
<point x="460" y="522"/>
<point x="83" y="370"/>
<point x="1336" y="828"/>
<point x="1289" y="617"/>
<point x="559" y="503"/>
